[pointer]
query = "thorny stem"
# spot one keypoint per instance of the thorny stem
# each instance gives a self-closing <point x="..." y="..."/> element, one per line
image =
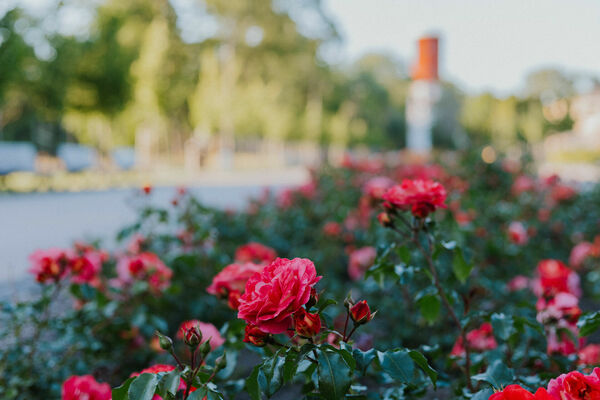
<point x="444" y="297"/>
<point x="346" y="324"/>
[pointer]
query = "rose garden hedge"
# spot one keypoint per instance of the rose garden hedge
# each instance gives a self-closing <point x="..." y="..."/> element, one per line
<point x="376" y="280"/>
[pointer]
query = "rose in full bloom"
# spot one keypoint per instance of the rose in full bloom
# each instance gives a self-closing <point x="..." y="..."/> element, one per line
<point x="479" y="339"/>
<point x="421" y="197"/>
<point x="306" y="324"/>
<point x="233" y="278"/>
<point x="360" y="261"/>
<point x="256" y="253"/>
<point x="85" y="268"/>
<point x="553" y="276"/>
<point x="516" y="392"/>
<point x="517" y="233"/>
<point x="144" y="266"/>
<point x="255" y="336"/>
<point x="562" y="306"/>
<point x="576" y="386"/>
<point x="85" y="388"/>
<point x="377" y="186"/>
<point x="589" y="355"/>
<point x="208" y="331"/>
<point x="272" y="296"/>
<point x="50" y="265"/>
<point x="579" y="253"/>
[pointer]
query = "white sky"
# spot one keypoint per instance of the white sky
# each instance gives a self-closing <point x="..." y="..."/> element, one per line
<point x="486" y="44"/>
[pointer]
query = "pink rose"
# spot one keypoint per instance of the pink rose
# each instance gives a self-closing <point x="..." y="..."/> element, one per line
<point x="579" y="253"/>
<point x="517" y="233"/>
<point x="360" y="261"/>
<point x="522" y="184"/>
<point x="377" y="186"/>
<point x="85" y="387"/>
<point x="209" y="332"/>
<point x="561" y="306"/>
<point x="519" y="282"/>
<point x="272" y="296"/>
<point x="589" y="355"/>
<point x="233" y="278"/>
<point x="576" y="386"/>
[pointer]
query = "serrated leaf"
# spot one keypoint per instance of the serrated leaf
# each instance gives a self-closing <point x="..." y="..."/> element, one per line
<point x="143" y="387"/>
<point x="169" y="383"/>
<point x="422" y="362"/>
<point x="334" y="375"/>
<point x="397" y="364"/>
<point x="462" y="269"/>
<point x="270" y="378"/>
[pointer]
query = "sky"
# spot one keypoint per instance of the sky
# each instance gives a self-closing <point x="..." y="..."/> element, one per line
<point x="485" y="44"/>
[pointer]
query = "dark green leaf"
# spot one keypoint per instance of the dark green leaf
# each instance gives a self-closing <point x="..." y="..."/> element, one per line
<point x="497" y="374"/>
<point x="588" y="323"/>
<point x="398" y="364"/>
<point x="143" y="387"/>
<point x="270" y="378"/>
<point x="120" y="393"/>
<point x="461" y="268"/>
<point x="422" y="362"/>
<point x="252" y="387"/>
<point x="503" y="326"/>
<point x="363" y="359"/>
<point x="334" y="375"/>
<point x="169" y="383"/>
<point x="430" y="306"/>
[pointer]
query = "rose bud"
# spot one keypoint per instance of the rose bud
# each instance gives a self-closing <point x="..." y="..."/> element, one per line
<point x="314" y="298"/>
<point x="165" y="342"/>
<point x="307" y="324"/>
<point x="205" y="348"/>
<point x="384" y="219"/>
<point x="361" y="313"/>
<point x="348" y="302"/>
<point x="221" y="362"/>
<point x="255" y="336"/>
<point x="193" y="336"/>
<point x="147" y="189"/>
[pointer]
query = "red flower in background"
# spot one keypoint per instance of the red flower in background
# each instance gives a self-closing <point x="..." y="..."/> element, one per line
<point x="50" y="265"/>
<point x="553" y="276"/>
<point x="85" y="388"/>
<point x="360" y="261"/>
<point x="145" y="266"/>
<point x="272" y="296"/>
<point x="517" y="233"/>
<point x="255" y="252"/>
<point x="377" y="186"/>
<point x="589" y="355"/>
<point x="580" y="253"/>
<point x="233" y="278"/>
<point x="332" y="229"/>
<point x="479" y="339"/>
<point x="209" y="332"/>
<point x="421" y="197"/>
<point x="522" y="184"/>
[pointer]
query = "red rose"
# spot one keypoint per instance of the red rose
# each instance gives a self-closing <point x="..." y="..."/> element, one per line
<point x="553" y="277"/>
<point x="360" y="261"/>
<point x="233" y="278"/>
<point x="208" y="332"/>
<point x="144" y="266"/>
<point x="479" y="339"/>
<point x="307" y="325"/>
<point x="516" y="392"/>
<point x="49" y="265"/>
<point x="376" y="187"/>
<point x="332" y="229"/>
<point x="421" y="197"/>
<point x="589" y="355"/>
<point x="272" y="296"/>
<point x="85" y="387"/>
<point x="255" y="252"/>
<point x="255" y="336"/>
<point x="361" y="313"/>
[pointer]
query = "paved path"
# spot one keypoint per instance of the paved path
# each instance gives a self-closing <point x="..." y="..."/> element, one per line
<point x="42" y="220"/>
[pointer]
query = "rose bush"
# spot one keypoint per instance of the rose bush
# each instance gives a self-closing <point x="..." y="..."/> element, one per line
<point x="496" y="264"/>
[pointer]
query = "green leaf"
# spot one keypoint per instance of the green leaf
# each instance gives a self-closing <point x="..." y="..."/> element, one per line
<point x="363" y="359"/>
<point x="461" y="268"/>
<point x="143" y="387"/>
<point x="270" y="378"/>
<point x="398" y="364"/>
<point x="120" y="393"/>
<point x="290" y="365"/>
<point x="503" y="326"/>
<point x="169" y="383"/>
<point x="324" y="304"/>
<point x="252" y="387"/>
<point x="483" y="394"/>
<point x="588" y="323"/>
<point x="497" y="374"/>
<point x="430" y="307"/>
<point x="422" y="362"/>
<point x="334" y="375"/>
